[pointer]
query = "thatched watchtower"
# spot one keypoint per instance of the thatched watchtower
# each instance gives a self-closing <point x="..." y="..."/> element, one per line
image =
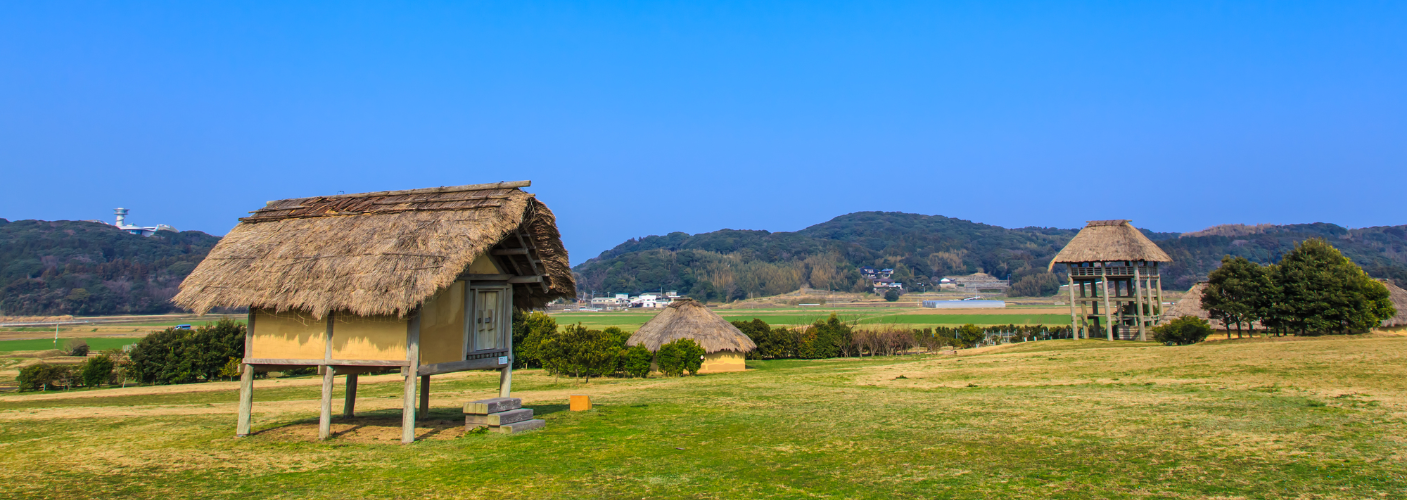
<point x="1114" y="267"/>
<point x="423" y="280"/>
<point x="725" y="346"/>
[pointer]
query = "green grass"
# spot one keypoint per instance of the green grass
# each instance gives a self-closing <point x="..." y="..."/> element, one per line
<point x="1321" y="418"/>
<point x="94" y="344"/>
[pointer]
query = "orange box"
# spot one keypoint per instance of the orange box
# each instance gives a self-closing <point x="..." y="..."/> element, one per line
<point x="581" y="403"/>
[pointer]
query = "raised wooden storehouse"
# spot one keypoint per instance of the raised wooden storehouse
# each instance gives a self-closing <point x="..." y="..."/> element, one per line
<point x="423" y="280"/>
<point x="724" y="345"/>
<point x="1114" y="280"/>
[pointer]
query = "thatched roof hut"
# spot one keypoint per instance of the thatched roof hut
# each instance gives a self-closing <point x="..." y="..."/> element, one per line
<point x="688" y="319"/>
<point x="424" y="280"/>
<point x="1109" y="240"/>
<point x="375" y="253"/>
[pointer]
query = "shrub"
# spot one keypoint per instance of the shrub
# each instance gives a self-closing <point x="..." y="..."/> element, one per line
<point x="45" y="376"/>
<point x="529" y="330"/>
<point x="969" y="335"/>
<point x="580" y="352"/>
<point x="635" y="361"/>
<point x="174" y="356"/>
<point x="680" y="356"/>
<point x="891" y="295"/>
<point x="96" y="371"/>
<point x="231" y="369"/>
<point x="76" y="347"/>
<point x="1183" y="331"/>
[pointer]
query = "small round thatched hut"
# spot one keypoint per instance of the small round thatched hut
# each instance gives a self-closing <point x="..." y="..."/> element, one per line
<point x="722" y="342"/>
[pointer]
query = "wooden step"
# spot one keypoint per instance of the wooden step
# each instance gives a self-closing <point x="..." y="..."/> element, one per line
<point x="497" y="419"/>
<point x="517" y="427"/>
<point x="494" y="405"/>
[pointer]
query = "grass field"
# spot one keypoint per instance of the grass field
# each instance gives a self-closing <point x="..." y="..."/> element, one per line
<point x="94" y="344"/>
<point x="906" y="318"/>
<point x="1312" y="418"/>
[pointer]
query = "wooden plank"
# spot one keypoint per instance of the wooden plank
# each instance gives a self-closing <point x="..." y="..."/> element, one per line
<point x="526" y="425"/>
<point x="492" y="405"/>
<point x="325" y="417"/>
<point x="350" y="404"/>
<point x="485" y="277"/>
<point x="497" y="419"/>
<point x="520" y="280"/>
<point x="510" y="251"/>
<point x="459" y="366"/>
<point x="412" y="353"/>
<point x="322" y="362"/>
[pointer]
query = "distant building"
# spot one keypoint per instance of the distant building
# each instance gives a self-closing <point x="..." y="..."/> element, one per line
<point x="873" y="274"/>
<point x="947" y="284"/>
<point x="138" y="230"/>
<point x="977" y="282"/>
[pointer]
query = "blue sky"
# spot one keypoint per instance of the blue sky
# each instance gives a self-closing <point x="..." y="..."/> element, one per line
<point x="639" y="118"/>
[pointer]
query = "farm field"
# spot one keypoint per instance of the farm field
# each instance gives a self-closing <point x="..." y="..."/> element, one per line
<point x="1297" y="418"/>
<point x="907" y="317"/>
<point x="95" y="344"/>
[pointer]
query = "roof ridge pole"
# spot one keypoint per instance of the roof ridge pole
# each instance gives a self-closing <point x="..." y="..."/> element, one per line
<point x="1138" y="302"/>
<point x="1108" y="315"/>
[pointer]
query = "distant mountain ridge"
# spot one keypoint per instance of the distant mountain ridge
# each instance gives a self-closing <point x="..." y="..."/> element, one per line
<point x="91" y="268"/>
<point x="732" y="264"/>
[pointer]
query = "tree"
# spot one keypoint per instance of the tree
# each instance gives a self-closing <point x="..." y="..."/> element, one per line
<point x="529" y="330"/>
<point x="1321" y="291"/>
<point x="635" y="361"/>
<point x="96" y="371"/>
<point x="891" y="295"/>
<point x="580" y="352"/>
<point x="1234" y="292"/>
<point x="969" y="335"/>
<point x="1183" y="331"/>
<point x="679" y="356"/>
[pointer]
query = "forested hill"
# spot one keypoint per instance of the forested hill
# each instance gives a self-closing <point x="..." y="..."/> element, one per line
<point x="732" y="264"/>
<point x="72" y="267"/>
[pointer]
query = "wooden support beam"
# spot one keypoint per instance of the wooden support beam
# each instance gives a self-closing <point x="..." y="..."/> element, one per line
<point x="350" y="404"/>
<point x="246" y="381"/>
<point x="1108" y="314"/>
<point x="510" y="251"/>
<point x="424" y="396"/>
<point x="524" y="279"/>
<point x="459" y="366"/>
<point x="325" y="417"/>
<point x="323" y="362"/>
<point x="485" y="277"/>
<point x="412" y="354"/>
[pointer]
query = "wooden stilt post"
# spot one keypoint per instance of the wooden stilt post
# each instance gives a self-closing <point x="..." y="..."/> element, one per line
<point x="1108" y="314"/>
<point x="1158" y="285"/>
<point x="246" y="379"/>
<point x="424" y="396"/>
<point x="246" y="400"/>
<point x="1084" y="313"/>
<point x="350" y="404"/>
<point x="1138" y="303"/>
<point x="505" y="381"/>
<point x="412" y="357"/>
<point x="1074" y="325"/>
<point x="325" y="418"/>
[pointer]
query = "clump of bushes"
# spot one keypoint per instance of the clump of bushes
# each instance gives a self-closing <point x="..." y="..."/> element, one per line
<point x="76" y="347"/>
<point x="173" y="356"/>
<point x="97" y="371"/>
<point x="1183" y="331"/>
<point x="635" y="361"/>
<point x="680" y="356"/>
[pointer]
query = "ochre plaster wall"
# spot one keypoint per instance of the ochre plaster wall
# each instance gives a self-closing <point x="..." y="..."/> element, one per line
<point x="442" y="326"/>
<point x="380" y="338"/>
<point x="723" y="361"/>
<point x="289" y="335"/>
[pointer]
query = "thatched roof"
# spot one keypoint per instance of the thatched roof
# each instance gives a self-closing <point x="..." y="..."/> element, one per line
<point x="1398" y="296"/>
<point x="1109" y="240"/>
<point x="688" y="319"/>
<point x="379" y="253"/>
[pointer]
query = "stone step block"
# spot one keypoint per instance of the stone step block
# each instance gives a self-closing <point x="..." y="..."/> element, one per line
<point x="517" y="427"/>
<point x="497" y="419"/>
<point x="493" y="405"/>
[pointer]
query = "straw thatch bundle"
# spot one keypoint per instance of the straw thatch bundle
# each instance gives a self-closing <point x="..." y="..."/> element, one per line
<point x="1398" y="296"/>
<point x="1109" y="240"/>
<point x="374" y="253"/>
<point x="688" y="319"/>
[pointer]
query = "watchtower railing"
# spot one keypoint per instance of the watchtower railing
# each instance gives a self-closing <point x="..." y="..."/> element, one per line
<point x="1114" y="271"/>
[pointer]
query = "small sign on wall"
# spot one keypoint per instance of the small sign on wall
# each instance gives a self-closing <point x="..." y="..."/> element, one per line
<point x="503" y="360"/>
